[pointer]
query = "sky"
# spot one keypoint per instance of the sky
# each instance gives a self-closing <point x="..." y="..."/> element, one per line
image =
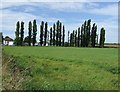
<point x="71" y="13"/>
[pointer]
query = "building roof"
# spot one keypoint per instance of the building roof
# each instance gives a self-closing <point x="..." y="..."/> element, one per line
<point x="7" y="38"/>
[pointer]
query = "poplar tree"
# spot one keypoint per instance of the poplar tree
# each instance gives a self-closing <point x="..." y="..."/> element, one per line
<point x="82" y="36"/>
<point x="60" y="33"/>
<point x="63" y="37"/>
<point x="54" y="35"/>
<point x="75" y="38"/>
<point x="78" y="37"/>
<point x="88" y="32"/>
<point x="29" y="33"/>
<point x="41" y="33"/>
<point x="17" y="32"/>
<point x="71" y="39"/>
<point x="102" y="37"/>
<point x="45" y="36"/>
<point x="51" y="36"/>
<point x="93" y="35"/>
<point x="68" y="38"/>
<point x="22" y="33"/>
<point x="34" y="32"/>
<point x="57" y="33"/>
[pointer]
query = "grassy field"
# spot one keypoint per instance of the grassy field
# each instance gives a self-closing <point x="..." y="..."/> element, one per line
<point x="60" y="68"/>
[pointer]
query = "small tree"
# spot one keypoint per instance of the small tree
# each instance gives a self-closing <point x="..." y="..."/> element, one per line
<point x="29" y="33"/>
<point x="22" y="33"/>
<point x="102" y="37"/>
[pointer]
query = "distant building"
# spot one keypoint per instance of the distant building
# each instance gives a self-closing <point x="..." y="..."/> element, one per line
<point x="8" y="41"/>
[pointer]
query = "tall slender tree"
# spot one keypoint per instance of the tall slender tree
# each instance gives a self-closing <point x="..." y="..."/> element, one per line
<point x="41" y="33"/>
<point x="82" y="35"/>
<point x="60" y="33"/>
<point x="71" y="39"/>
<point x="54" y="35"/>
<point x="85" y="35"/>
<point x="29" y="33"/>
<point x="78" y="37"/>
<point x="57" y="33"/>
<point x="63" y="37"/>
<point x="34" y="32"/>
<point x="102" y="37"/>
<point x="75" y="38"/>
<point x="93" y="35"/>
<point x="51" y="40"/>
<point x="68" y="38"/>
<point x="45" y="36"/>
<point x="22" y="33"/>
<point x="17" y="32"/>
<point x="88" y="32"/>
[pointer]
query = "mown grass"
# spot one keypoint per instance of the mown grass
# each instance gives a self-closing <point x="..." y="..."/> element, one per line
<point x="60" y="68"/>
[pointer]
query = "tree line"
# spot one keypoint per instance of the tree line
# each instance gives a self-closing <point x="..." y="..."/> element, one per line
<point x="84" y="36"/>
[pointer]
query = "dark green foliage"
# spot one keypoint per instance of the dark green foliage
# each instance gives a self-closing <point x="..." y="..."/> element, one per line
<point x="17" y="32"/>
<point x="102" y="37"/>
<point x="22" y="33"/>
<point x="26" y="39"/>
<point x="93" y="35"/>
<point x="63" y="37"/>
<point x="51" y="36"/>
<point x="34" y="32"/>
<point x="54" y="35"/>
<point x="60" y="29"/>
<point x="88" y="32"/>
<point x="85" y="35"/>
<point x="75" y="38"/>
<point x="2" y="39"/>
<point x="68" y="37"/>
<point x="71" y="39"/>
<point x="29" y="33"/>
<point x="78" y="41"/>
<point x="82" y="36"/>
<point x="66" y="44"/>
<point x="45" y="36"/>
<point x="41" y="33"/>
<point x="57" y="33"/>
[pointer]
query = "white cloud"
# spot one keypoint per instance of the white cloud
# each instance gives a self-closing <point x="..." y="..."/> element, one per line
<point x="60" y="1"/>
<point x="106" y="10"/>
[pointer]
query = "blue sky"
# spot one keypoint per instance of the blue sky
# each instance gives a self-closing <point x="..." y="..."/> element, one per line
<point x="71" y="14"/>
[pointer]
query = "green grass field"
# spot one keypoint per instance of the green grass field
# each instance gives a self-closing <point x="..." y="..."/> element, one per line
<point x="61" y="68"/>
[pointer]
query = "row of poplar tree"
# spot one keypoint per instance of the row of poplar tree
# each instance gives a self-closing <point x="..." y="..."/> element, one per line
<point x="84" y="36"/>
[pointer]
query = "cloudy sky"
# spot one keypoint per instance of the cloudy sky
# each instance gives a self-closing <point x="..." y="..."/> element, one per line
<point x="71" y="14"/>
